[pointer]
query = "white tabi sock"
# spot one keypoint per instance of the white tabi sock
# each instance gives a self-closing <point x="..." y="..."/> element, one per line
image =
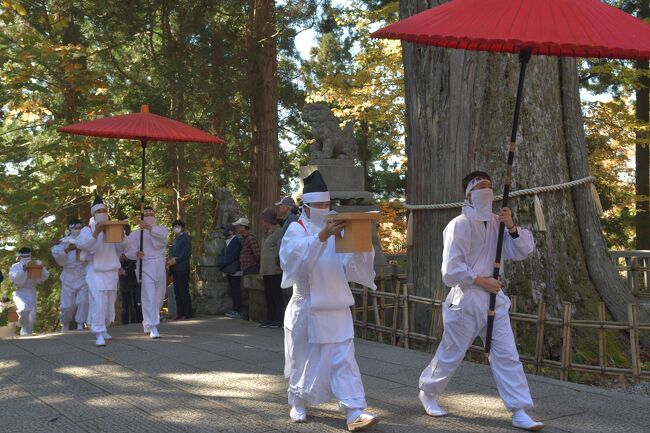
<point x="520" y="419"/>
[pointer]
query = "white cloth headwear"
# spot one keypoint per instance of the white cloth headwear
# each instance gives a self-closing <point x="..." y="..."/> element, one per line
<point x="472" y="183"/>
<point x="316" y="197"/>
<point x="96" y="207"/>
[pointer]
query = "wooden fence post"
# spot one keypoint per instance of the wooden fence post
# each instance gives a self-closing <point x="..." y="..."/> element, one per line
<point x="539" y="340"/>
<point x="565" y="357"/>
<point x="364" y="313"/>
<point x="405" y="315"/>
<point x="393" y="339"/>
<point x="634" y="343"/>
<point x="602" y="338"/>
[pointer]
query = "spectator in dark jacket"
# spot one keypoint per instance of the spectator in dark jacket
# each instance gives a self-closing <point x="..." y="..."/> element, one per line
<point x="179" y="265"/>
<point x="270" y="269"/>
<point x="229" y="265"/>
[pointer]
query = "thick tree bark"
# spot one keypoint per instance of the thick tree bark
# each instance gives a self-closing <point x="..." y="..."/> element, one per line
<point x="459" y="112"/>
<point x="265" y="154"/>
<point x="642" y="156"/>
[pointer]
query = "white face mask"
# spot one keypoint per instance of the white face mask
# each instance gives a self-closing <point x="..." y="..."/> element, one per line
<point x="317" y="218"/>
<point x="178" y="230"/>
<point x="101" y="217"/>
<point x="482" y="203"/>
<point x="75" y="232"/>
<point x="150" y="220"/>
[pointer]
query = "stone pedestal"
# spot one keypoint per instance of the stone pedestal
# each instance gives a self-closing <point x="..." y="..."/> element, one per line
<point x="344" y="179"/>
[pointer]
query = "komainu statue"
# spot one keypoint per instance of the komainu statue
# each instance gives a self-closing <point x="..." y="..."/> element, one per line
<point x="330" y="141"/>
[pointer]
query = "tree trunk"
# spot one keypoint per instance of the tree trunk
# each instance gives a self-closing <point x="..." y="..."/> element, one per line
<point x="642" y="156"/>
<point x="459" y="112"/>
<point x="265" y="154"/>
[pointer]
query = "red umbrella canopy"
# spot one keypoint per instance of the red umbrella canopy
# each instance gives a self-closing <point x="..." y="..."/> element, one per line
<point x="142" y="126"/>
<point x="572" y="28"/>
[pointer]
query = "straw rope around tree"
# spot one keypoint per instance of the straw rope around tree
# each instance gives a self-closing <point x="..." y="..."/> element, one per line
<point x="539" y="215"/>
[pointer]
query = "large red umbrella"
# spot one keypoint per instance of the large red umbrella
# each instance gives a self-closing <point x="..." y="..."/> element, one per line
<point x="145" y="127"/>
<point x="571" y="28"/>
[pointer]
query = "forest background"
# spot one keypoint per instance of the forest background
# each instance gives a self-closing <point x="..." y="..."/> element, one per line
<point x="203" y="62"/>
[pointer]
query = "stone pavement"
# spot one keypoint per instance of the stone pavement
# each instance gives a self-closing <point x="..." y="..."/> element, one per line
<point x="223" y="375"/>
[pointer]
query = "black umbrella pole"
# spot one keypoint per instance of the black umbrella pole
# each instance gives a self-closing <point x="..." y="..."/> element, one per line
<point x="144" y="159"/>
<point x="524" y="57"/>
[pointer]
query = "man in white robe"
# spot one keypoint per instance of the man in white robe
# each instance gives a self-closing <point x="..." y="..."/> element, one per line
<point x="154" y="277"/>
<point x="74" y="289"/>
<point x="101" y="272"/>
<point x="319" y="348"/>
<point x="25" y="296"/>
<point x="470" y="242"/>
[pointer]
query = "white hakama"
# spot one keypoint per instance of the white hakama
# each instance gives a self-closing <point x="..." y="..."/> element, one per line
<point x="469" y="252"/>
<point x="319" y="348"/>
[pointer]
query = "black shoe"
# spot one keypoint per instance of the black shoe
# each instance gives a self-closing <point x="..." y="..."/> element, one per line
<point x="275" y="325"/>
<point x="265" y="324"/>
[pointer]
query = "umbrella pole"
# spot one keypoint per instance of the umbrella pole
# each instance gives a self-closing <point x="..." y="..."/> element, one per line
<point x="524" y="57"/>
<point x="144" y="150"/>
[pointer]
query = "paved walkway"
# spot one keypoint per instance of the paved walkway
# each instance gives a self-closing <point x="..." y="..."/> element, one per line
<point x="222" y="375"/>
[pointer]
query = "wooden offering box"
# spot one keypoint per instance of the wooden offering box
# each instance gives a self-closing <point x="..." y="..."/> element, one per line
<point x="34" y="270"/>
<point x="12" y="316"/>
<point x="114" y="231"/>
<point x="357" y="235"/>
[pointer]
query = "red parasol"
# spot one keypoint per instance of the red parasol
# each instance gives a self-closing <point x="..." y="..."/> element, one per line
<point x="570" y="28"/>
<point x="145" y="127"/>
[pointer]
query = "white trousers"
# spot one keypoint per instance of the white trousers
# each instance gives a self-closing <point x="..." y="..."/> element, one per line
<point x="460" y="329"/>
<point x="102" y="292"/>
<point x="319" y="372"/>
<point x="26" y="308"/>
<point x="154" y="287"/>
<point x="74" y="303"/>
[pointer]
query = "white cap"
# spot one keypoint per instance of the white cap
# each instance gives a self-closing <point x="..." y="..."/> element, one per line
<point x="242" y="222"/>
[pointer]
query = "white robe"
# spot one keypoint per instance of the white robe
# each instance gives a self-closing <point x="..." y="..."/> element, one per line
<point x="319" y="348"/>
<point x="101" y="276"/>
<point x="469" y="252"/>
<point x="25" y="296"/>
<point x="154" y="276"/>
<point x="74" y="289"/>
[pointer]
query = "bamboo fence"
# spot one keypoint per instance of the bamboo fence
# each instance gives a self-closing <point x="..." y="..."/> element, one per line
<point x="388" y="315"/>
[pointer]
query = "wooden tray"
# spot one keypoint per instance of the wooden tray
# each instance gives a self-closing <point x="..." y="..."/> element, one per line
<point x="357" y="236"/>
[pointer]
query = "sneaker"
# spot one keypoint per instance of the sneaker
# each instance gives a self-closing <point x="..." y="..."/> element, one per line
<point x="107" y="336"/>
<point x="24" y="332"/>
<point x="80" y="327"/>
<point x="520" y="419"/>
<point x="265" y="324"/>
<point x="99" y="342"/>
<point x="65" y="327"/>
<point x="362" y="421"/>
<point x="154" y="334"/>
<point x="298" y="414"/>
<point x="233" y="315"/>
<point x="276" y="325"/>
<point x="431" y="405"/>
<point x="177" y="317"/>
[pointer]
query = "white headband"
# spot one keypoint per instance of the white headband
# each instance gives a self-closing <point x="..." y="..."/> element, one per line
<point x="97" y="207"/>
<point x="316" y="197"/>
<point x="472" y="184"/>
